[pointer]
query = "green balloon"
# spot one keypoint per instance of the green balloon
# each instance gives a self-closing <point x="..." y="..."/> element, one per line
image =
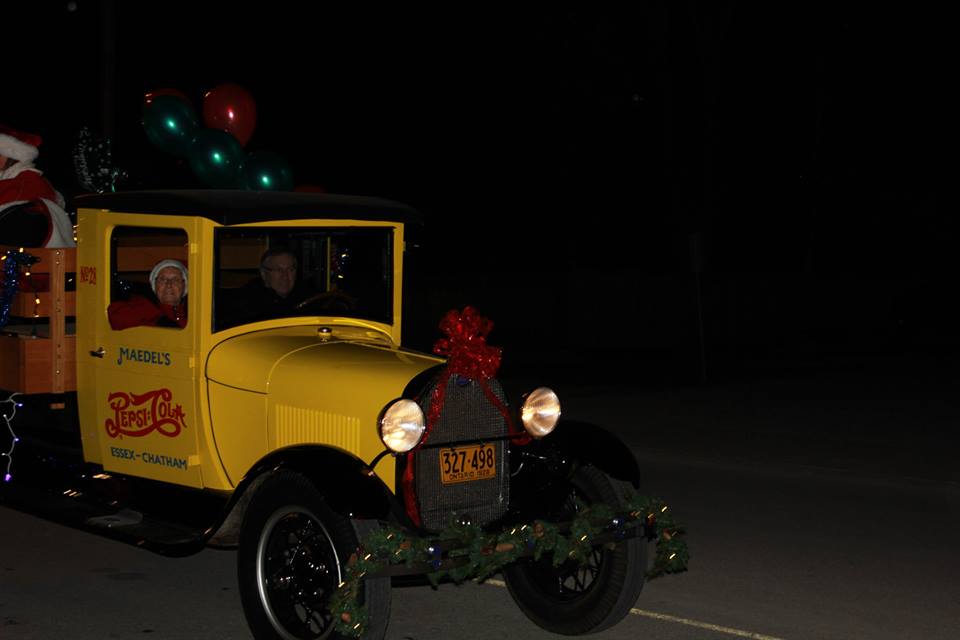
<point x="266" y="171"/>
<point x="171" y="124"/>
<point x="215" y="157"/>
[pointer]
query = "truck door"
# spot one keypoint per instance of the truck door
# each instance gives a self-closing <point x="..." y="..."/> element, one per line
<point x="146" y="374"/>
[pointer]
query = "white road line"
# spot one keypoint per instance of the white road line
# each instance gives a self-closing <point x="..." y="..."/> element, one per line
<point x="687" y="621"/>
<point x="703" y="625"/>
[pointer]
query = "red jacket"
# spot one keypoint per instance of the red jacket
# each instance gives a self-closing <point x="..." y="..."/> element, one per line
<point x="25" y="186"/>
<point x="22" y="183"/>
<point x="139" y="312"/>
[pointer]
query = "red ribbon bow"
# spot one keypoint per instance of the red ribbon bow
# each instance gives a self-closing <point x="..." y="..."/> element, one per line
<point x="469" y="355"/>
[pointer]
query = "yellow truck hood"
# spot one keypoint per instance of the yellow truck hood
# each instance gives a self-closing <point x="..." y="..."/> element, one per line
<point x="302" y="356"/>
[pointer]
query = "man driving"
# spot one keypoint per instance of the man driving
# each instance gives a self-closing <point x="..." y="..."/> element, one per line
<point x="278" y="270"/>
<point x="279" y="292"/>
<point x="275" y="294"/>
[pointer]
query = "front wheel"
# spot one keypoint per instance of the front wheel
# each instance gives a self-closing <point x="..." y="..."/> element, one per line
<point x="292" y="557"/>
<point x="574" y="598"/>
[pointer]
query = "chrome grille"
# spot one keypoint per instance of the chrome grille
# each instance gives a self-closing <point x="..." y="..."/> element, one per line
<point x="467" y="415"/>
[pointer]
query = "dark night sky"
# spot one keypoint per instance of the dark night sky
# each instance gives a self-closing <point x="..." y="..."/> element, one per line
<point x="802" y="139"/>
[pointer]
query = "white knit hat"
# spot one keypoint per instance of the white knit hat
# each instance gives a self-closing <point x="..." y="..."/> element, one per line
<point x="163" y="264"/>
<point x="18" y="145"/>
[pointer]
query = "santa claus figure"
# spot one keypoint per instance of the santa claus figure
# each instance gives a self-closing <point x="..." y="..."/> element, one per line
<point x="23" y="184"/>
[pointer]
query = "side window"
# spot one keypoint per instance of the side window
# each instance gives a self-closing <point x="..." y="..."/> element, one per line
<point x="148" y="284"/>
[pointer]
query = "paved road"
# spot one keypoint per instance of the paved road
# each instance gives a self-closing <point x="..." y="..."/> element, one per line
<point x="784" y="553"/>
<point x="787" y="541"/>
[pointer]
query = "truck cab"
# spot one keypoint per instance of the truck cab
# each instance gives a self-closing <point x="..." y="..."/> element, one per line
<point x="199" y="405"/>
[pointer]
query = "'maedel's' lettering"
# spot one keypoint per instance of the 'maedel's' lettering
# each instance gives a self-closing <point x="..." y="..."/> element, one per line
<point x="145" y="356"/>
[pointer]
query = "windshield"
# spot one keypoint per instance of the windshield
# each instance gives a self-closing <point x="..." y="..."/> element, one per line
<point x="264" y="273"/>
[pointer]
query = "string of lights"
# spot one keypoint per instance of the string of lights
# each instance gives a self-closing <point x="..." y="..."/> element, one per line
<point x="13" y="262"/>
<point x="8" y="418"/>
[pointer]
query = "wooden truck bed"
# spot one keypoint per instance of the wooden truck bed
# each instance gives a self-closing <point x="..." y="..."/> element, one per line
<point x="38" y="346"/>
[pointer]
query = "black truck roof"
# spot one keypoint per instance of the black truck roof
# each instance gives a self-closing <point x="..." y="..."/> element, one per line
<point x="229" y="207"/>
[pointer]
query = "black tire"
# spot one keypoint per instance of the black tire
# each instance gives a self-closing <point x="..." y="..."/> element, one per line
<point x="293" y="551"/>
<point x="572" y="599"/>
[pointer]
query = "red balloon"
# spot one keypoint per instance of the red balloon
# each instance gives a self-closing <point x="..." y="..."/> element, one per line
<point x="230" y="107"/>
<point x="309" y="188"/>
<point x="165" y="91"/>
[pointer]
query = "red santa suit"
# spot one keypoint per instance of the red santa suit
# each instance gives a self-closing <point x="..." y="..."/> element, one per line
<point x="139" y="312"/>
<point x="21" y="182"/>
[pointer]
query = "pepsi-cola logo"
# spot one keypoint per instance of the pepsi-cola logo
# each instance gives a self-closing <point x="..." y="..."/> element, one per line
<point x="137" y="415"/>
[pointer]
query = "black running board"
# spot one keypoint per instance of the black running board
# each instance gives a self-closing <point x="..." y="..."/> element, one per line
<point x="159" y="517"/>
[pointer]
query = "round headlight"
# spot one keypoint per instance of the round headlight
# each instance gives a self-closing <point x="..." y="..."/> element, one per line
<point x="401" y="426"/>
<point x="540" y="412"/>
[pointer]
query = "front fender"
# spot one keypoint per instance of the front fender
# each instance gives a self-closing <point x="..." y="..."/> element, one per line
<point x="588" y="444"/>
<point x="542" y="469"/>
<point x="348" y="485"/>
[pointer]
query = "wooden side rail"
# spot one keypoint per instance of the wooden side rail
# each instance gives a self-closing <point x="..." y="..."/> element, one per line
<point x="41" y="359"/>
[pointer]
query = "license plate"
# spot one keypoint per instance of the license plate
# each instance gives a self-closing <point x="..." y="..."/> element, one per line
<point x="465" y="464"/>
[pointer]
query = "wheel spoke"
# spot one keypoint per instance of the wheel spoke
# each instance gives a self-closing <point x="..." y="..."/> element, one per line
<point x="282" y="578"/>
<point x="594" y="567"/>
<point x="315" y="598"/>
<point x="579" y="582"/>
<point x="315" y="620"/>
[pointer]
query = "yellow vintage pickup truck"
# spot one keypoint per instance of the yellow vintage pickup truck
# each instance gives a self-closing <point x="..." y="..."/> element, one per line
<point x="280" y="414"/>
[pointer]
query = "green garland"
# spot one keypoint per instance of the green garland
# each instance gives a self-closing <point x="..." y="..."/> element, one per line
<point x="483" y="554"/>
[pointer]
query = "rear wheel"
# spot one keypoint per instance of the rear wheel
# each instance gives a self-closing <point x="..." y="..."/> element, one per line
<point x="293" y="554"/>
<point x="574" y="599"/>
